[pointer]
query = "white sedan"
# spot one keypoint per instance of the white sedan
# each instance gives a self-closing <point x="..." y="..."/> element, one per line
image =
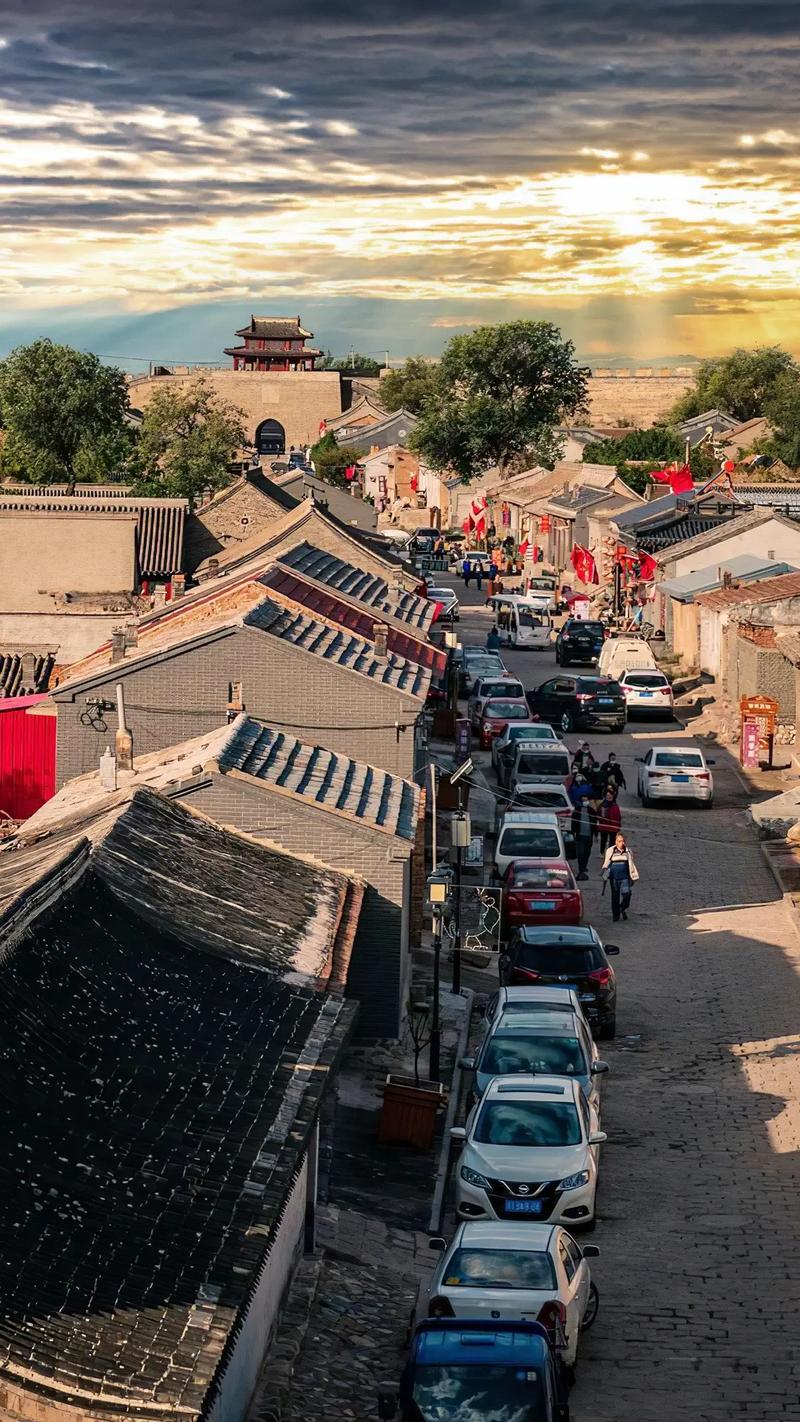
<point x="675" y="773"/>
<point x="647" y="692"/>
<point x="511" y="1271"/>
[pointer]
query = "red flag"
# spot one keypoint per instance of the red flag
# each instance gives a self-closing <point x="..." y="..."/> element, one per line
<point x="661" y="476"/>
<point x="467" y="526"/>
<point x="323" y="425"/>
<point x="584" y="564"/>
<point x="681" y="481"/>
<point x="477" y="513"/>
<point x="523" y="548"/>
<point x="647" y="568"/>
<point x="350" y="471"/>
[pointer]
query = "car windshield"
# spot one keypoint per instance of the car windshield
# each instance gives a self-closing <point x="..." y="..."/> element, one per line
<point x="541" y="878"/>
<point x="501" y="688"/>
<point x="558" y="962"/>
<point x="546" y="799"/>
<point x="473" y="1393"/>
<point x="506" y="710"/>
<point x="499" y="1269"/>
<point x="597" y="686"/>
<point x="529" y="843"/>
<point x="528" y="619"/>
<point x="683" y="758"/>
<point x="506" y="1054"/>
<point x="541" y="584"/>
<point x="595" y="628"/>
<point x="645" y="679"/>
<point x="531" y="733"/>
<point x="542" y="763"/>
<point x="528" y="1123"/>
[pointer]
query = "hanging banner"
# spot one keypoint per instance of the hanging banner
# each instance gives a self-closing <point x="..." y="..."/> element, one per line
<point x="584" y="564"/>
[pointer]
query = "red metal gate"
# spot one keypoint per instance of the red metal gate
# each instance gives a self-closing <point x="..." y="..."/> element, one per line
<point x="27" y="756"/>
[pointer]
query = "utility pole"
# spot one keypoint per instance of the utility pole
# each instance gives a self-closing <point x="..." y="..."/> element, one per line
<point x="462" y="834"/>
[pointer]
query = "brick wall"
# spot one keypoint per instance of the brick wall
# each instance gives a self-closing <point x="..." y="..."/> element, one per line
<point x="298" y="400"/>
<point x="756" y="670"/>
<point x="378" y="967"/>
<point x="639" y="401"/>
<point x="224" y="524"/>
<point x="185" y="694"/>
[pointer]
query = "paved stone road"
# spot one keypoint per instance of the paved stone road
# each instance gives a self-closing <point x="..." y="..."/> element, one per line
<point x="699" y="1219"/>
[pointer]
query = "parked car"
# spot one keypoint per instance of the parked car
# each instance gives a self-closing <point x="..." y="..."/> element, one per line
<point x="530" y="1153"/>
<point x="575" y="958"/>
<point x="580" y="703"/>
<point x="493" y="1270"/>
<point x="495" y="716"/>
<point x="537" y="891"/>
<point x="543" y="795"/>
<point x="527" y="834"/>
<point x="511" y="1367"/>
<point x="486" y="688"/>
<point x="675" y="773"/>
<point x="448" y="602"/>
<point x="556" y="1043"/>
<point x="531" y="998"/>
<point x="538" y="763"/>
<point x="621" y="654"/>
<point x="647" y="693"/>
<point x="503" y="746"/>
<point x="579" y="641"/>
<point x="474" y="662"/>
<point x="522" y="621"/>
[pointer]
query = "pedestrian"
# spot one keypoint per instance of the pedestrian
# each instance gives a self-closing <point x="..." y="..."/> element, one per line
<point x="498" y="587"/>
<point x="611" y="773"/>
<point x="610" y="821"/>
<point x="621" y="873"/>
<point x="478" y="570"/>
<point x="466" y="571"/>
<point x="579" y="788"/>
<point x="584" y="757"/>
<point x="584" y="829"/>
<point x="493" y="641"/>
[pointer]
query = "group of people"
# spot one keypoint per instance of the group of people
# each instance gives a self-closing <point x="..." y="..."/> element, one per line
<point x="476" y="570"/>
<point x="594" y="789"/>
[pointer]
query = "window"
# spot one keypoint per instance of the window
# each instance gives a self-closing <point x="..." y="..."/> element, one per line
<point x="566" y="1259"/>
<point x="573" y="1251"/>
<point x="597" y="686"/>
<point x="546" y="799"/>
<point x="531" y="733"/>
<point x="575" y="962"/>
<point x="500" y="688"/>
<point x="540" y="878"/>
<point x="645" y="679"/>
<point x="455" y="1393"/>
<point x="542" y="763"/>
<point x="562" y="686"/>
<point x="529" y="843"/>
<point x="528" y="1123"/>
<point x="506" y="710"/>
<point x="507" y="1054"/>
<point x="691" y="759"/>
<point x="499" y="1269"/>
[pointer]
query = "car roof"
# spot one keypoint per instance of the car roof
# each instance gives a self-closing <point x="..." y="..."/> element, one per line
<point x="535" y="1021"/>
<point x="669" y="750"/>
<point x="534" y="1237"/>
<point x="536" y="817"/>
<point x="519" y="993"/>
<point x="556" y="1088"/>
<point x="580" y="934"/>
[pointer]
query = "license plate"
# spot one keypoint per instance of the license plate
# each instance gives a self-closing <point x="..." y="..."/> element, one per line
<point x="645" y="694"/>
<point x="541" y="903"/>
<point x="681" y="779"/>
<point x="523" y="1207"/>
<point x="605" y="701"/>
<point x="586" y="997"/>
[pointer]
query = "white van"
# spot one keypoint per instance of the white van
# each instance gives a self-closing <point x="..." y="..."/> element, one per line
<point x="527" y="834"/>
<point x="522" y="621"/>
<point x="621" y="654"/>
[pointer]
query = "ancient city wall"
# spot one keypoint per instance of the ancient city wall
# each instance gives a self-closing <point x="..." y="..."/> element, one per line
<point x="298" y="400"/>
<point x="638" y="398"/>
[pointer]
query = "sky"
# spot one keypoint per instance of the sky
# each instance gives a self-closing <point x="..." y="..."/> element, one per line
<point x="399" y="173"/>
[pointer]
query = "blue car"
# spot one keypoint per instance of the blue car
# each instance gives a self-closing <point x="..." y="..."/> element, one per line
<point x="474" y="1370"/>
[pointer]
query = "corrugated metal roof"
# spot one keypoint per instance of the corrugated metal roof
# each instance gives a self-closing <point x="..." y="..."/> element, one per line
<point x="330" y="781"/>
<point x="338" y="646"/>
<point x="353" y="582"/>
<point x="25" y="672"/>
<point x="746" y="566"/>
<point x="770" y="590"/>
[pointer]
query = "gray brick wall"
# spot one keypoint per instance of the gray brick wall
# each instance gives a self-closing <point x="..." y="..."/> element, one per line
<point x="379" y="965"/>
<point x="186" y="694"/>
<point x="754" y="670"/>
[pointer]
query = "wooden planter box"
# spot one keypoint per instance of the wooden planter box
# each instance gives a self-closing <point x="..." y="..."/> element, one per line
<point x="409" y="1111"/>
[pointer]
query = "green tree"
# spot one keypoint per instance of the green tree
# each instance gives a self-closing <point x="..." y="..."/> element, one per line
<point x="410" y="387"/>
<point x="660" y="444"/>
<point x="502" y="392"/>
<point x="331" y="459"/>
<point x="740" y="383"/>
<point x="355" y="361"/>
<point x="782" y="409"/>
<point x="189" y="436"/>
<point x="64" y="415"/>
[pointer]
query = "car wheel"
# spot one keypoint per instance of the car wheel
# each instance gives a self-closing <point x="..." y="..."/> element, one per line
<point x="592" y="1307"/>
<point x="566" y="721"/>
<point x="608" y="1031"/>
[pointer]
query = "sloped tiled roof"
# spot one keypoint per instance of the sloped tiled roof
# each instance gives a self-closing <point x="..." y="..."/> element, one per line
<point x="767" y="590"/>
<point x="159" y="522"/>
<point x="728" y="527"/>
<point x="25" y="670"/>
<point x="275" y="328"/>
<point x="159" y="1081"/>
<point x="339" y="647"/>
<point x="363" y="587"/>
<point x="327" y="780"/>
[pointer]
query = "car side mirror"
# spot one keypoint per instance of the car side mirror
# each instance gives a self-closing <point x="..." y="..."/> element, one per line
<point x="590" y="1251"/>
<point x="597" y="1138"/>
<point x="387" y="1405"/>
<point x="599" y="1068"/>
<point x="458" y="1133"/>
<point x="611" y="949"/>
<point x="437" y="1244"/>
<point x="467" y="1063"/>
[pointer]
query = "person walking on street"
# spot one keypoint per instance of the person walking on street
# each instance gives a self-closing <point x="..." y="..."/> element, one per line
<point x="479" y="574"/>
<point x="610" y="821"/>
<point x="584" y="828"/>
<point x="611" y="773"/>
<point x="493" y="641"/>
<point x="578" y="788"/>
<point x="621" y="873"/>
<point x="466" y="571"/>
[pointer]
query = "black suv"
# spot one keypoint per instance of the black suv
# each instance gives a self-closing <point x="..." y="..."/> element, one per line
<point x="569" y="958"/>
<point x="580" y="702"/>
<point x="579" y="642"/>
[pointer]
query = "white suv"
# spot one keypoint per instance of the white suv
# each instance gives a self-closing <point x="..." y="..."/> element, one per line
<point x="647" y="692"/>
<point x="675" y="773"/>
<point x="530" y="1153"/>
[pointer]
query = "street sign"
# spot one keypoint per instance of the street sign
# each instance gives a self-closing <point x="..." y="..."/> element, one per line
<point x="463" y="739"/>
<point x="751" y="740"/>
<point x="763" y="710"/>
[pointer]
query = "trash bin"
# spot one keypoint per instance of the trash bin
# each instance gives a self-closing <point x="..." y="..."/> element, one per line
<point x="409" y="1111"/>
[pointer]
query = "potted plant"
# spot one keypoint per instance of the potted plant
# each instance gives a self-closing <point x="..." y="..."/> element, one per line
<point x="411" y="1104"/>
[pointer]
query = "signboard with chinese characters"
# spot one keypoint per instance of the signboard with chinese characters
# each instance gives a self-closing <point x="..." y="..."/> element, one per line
<point x="750" y="751"/>
<point x="463" y="740"/>
<point x="763" y="711"/>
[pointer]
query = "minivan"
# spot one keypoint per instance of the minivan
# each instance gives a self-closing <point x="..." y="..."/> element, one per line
<point x="527" y="834"/>
<point x="537" y="763"/>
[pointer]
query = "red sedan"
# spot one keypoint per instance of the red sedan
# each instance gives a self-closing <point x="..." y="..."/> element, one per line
<point x="540" y="891"/>
<point x="496" y="715"/>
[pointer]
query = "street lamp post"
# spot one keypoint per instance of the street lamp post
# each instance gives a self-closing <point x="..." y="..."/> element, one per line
<point x="462" y="834"/>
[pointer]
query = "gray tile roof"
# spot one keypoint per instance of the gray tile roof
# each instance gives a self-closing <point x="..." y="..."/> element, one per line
<point x="364" y="587"/>
<point x="323" y="778"/>
<point x="25" y="671"/>
<point x="339" y="647"/>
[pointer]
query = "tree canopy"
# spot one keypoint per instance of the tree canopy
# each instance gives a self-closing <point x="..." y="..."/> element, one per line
<point x="501" y="392"/>
<point x="636" y="454"/>
<point x="189" y="436"/>
<point x="411" y="386"/>
<point x="64" y="415"/>
<point x="331" y="459"/>
<point x="782" y="409"/>
<point x="356" y="361"/>
<point x="740" y="383"/>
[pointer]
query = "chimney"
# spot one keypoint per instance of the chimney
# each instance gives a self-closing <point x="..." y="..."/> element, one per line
<point x="213" y="567"/>
<point x="118" y="645"/>
<point x="131" y="635"/>
<point x="178" y="585"/>
<point x="108" y="769"/>
<point x="123" y="740"/>
<point x="380" y="636"/>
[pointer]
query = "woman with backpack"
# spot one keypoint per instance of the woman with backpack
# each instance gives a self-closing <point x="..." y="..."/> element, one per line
<point x="621" y="874"/>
